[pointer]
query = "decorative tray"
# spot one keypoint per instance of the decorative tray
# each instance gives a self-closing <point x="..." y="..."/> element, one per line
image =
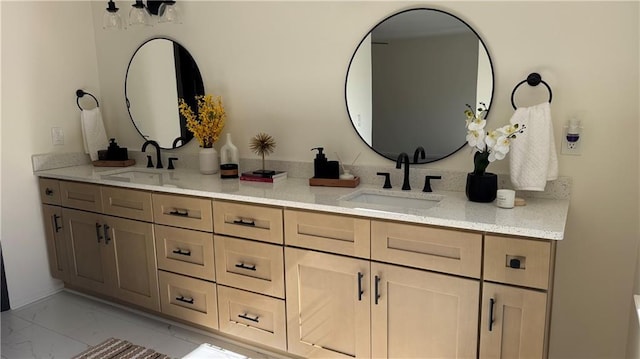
<point x="334" y="182"/>
<point x="125" y="163"/>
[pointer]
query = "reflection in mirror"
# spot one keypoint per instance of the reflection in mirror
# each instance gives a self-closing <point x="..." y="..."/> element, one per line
<point x="409" y="80"/>
<point x="160" y="72"/>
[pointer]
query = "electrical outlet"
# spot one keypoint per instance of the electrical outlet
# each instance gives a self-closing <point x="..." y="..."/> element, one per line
<point x="571" y="144"/>
<point x="57" y="136"/>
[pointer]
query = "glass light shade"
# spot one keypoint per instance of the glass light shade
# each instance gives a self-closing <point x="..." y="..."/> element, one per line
<point x="169" y="12"/>
<point x="139" y="16"/>
<point x="112" y="21"/>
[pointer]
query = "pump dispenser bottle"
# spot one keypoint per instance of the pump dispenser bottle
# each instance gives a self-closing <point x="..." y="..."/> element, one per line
<point x="319" y="163"/>
<point x="229" y="159"/>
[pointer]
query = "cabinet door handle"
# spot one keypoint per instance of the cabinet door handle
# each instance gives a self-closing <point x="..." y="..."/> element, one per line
<point x="377" y="287"/>
<point x="360" y="291"/>
<point x="48" y="191"/>
<point x="55" y="223"/>
<point x="245" y="222"/>
<point x="185" y="300"/>
<point x="247" y="267"/>
<point x="180" y="251"/>
<point x="179" y="213"/>
<point x="247" y="317"/>
<point x="492" y="303"/>
<point x="106" y="234"/>
<point x="98" y="226"/>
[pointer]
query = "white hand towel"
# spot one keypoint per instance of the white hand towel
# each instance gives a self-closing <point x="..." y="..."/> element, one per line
<point x="93" y="134"/>
<point x="533" y="157"/>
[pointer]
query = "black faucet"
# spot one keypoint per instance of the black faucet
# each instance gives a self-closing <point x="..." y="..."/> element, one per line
<point x="419" y="151"/>
<point x="405" y="183"/>
<point x="158" y="156"/>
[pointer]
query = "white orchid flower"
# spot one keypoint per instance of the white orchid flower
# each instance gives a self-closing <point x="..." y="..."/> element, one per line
<point x="492" y="138"/>
<point x="500" y="149"/>
<point x="508" y="130"/>
<point x="476" y="124"/>
<point x="476" y="139"/>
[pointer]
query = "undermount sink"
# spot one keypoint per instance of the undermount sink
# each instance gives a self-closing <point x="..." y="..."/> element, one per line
<point x="384" y="200"/>
<point x="136" y="176"/>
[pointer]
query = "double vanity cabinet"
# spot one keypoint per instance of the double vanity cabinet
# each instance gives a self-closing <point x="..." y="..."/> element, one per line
<point x="299" y="281"/>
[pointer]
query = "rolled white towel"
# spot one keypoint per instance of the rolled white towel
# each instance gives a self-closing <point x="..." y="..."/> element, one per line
<point x="533" y="157"/>
<point x="94" y="136"/>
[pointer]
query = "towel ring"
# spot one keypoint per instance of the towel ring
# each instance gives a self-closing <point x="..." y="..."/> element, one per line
<point x="81" y="93"/>
<point x="534" y="79"/>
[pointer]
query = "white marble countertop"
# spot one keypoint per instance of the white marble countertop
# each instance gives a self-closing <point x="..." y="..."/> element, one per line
<point x="540" y="218"/>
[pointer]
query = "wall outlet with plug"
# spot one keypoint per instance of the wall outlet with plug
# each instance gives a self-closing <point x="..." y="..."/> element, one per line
<point x="572" y="138"/>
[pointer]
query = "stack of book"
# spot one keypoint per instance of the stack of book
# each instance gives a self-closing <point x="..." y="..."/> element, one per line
<point x="258" y="176"/>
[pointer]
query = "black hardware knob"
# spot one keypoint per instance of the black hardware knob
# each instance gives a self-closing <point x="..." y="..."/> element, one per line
<point x="427" y="183"/>
<point x="149" y="162"/>
<point x="171" y="159"/>
<point x="387" y="179"/>
<point x="48" y="191"/>
<point x="514" y="263"/>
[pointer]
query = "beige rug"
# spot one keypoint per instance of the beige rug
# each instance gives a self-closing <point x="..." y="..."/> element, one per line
<point x="119" y="349"/>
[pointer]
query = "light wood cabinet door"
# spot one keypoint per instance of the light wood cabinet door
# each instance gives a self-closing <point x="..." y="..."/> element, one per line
<point x="419" y="314"/>
<point x="182" y="211"/>
<point x="328" y="232"/>
<point x="328" y="305"/>
<point x="189" y="299"/>
<point x="56" y="241"/>
<point x="131" y="247"/>
<point x="185" y="251"/>
<point x="85" y="240"/>
<point x="513" y="322"/>
<point x="79" y="195"/>
<point x="249" y="221"/>
<point x="49" y="191"/>
<point x="250" y="265"/>
<point x="127" y="203"/>
<point x="252" y="316"/>
<point x="431" y="248"/>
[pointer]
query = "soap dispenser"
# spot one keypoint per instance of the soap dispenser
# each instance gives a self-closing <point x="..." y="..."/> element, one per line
<point x="319" y="163"/>
<point x="229" y="159"/>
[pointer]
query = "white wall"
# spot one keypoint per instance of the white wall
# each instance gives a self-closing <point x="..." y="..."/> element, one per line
<point x="280" y="68"/>
<point x="48" y="51"/>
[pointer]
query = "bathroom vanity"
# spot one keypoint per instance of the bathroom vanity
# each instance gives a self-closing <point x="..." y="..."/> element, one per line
<point x="301" y="270"/>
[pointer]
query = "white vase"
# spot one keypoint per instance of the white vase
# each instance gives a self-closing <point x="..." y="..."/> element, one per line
<point x="209" y="161"/>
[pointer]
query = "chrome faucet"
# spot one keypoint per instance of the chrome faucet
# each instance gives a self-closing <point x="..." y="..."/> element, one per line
<point x="404" y="157"/>
<point x="419" y="151"/>
<point x="158" y="156"/>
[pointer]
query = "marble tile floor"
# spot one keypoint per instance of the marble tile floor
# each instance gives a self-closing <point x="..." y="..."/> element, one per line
<point x="66" y="323"/>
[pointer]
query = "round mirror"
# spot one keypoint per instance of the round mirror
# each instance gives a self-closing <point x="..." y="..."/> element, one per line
<point x="160" y="72"/>
<point x="409" y="80"/>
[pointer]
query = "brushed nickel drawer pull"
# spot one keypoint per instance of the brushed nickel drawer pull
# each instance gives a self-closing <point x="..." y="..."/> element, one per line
<point x="245" y="222"/>
<point x="185" y="300"/>
<point x="247" y="267"/>
<point x="180" y="213"/>
<point x="247" y="317"/>
<point x="182" y="252"/>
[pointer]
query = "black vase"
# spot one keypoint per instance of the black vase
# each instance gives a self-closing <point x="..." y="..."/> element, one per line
<point x="481" y="188"/>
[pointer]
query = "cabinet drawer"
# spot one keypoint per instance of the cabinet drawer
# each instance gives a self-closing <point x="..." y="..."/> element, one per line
<point x="250" y="265"/>
<point x="188" y="299"/>
<point x="49" y="191"/>
<point x="424" y="247"/>
<point x="185" y="251"/>
<point x="517" y="261"/>
<point x="182" y="211"/>
<point x="127" y="203"/>
<point x="248" y="221"/>
<point x="252" y="316"/>
<point x="81" y="196"/>
<point x="328" y="232"/>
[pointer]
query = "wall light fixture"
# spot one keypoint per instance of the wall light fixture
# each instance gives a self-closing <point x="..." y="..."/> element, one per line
<point x="142" y="14"/>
